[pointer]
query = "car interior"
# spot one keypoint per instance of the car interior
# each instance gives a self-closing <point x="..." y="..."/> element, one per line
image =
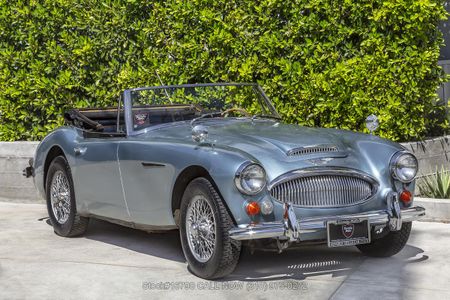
<point x="110" y="122"/>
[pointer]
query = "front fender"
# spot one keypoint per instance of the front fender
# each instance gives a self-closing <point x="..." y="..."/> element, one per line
<point x="222" y="164"/>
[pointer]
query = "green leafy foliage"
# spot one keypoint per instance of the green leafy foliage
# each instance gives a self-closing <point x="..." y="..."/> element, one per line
<point x="324" y="63"/>
<point x="436" y="185"/>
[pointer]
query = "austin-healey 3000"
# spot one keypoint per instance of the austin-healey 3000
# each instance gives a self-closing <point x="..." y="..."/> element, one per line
<point x="216" y="162"/>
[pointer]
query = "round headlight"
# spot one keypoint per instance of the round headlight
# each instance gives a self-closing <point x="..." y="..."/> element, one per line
<point x="404" y="166"/>
<point x="250" y="178"/>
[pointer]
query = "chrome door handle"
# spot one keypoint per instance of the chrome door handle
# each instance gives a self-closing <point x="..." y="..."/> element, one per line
<point x="79" y="150"/>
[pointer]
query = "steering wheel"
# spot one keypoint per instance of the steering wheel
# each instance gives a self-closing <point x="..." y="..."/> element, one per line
<point x="241" y="110"/>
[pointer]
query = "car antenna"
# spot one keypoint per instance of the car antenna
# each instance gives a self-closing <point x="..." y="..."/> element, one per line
<point x="165" y="90"/>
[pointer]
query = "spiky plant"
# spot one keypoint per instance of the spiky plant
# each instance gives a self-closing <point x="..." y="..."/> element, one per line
<point x="436" y="185"/>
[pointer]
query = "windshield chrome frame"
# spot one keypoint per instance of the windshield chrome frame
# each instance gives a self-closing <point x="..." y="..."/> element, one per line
<point x="128" y="105"/>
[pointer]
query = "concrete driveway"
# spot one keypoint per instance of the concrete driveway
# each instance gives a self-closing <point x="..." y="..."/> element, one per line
<point x="113" y="262"/>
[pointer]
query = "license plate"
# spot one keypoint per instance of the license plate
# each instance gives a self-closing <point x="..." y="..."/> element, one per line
<point x="348" y="232"/>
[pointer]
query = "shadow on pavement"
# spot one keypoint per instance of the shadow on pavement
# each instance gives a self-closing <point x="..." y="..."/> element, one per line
<point x="164" y="245"/>
<point x="309" y="261"/>
<point x="297" y="263"/>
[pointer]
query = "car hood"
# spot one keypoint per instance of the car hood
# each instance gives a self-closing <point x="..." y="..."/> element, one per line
<point x="282" y="147"/>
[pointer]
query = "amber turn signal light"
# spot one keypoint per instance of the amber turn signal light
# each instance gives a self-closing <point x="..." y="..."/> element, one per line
<point x="406" y="197"/>
<point x="252" y="208"/>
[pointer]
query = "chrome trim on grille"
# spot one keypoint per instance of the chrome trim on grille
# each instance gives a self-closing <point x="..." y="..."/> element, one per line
<point x="312" y="149"/>
<point x="319" y="187"/>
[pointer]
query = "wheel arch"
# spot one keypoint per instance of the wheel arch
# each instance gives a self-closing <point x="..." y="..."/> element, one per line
<point x="54" y="152"/>
<point x="183" y="179"/>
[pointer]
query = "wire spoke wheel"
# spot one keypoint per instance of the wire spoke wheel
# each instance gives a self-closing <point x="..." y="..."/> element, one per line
<point x="204" y="226"/>
<point x="201" y="228"/>
<point x="60" y="197"/>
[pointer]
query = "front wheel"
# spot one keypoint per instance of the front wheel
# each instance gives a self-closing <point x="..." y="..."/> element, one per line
<point x="204" y="226"/>
<point x="390" y="244"/>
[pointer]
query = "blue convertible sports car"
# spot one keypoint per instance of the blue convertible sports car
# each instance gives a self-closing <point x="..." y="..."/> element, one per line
<point x="216" y="162"/>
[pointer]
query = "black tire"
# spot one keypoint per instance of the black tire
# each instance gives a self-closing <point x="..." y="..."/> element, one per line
<point x="75" y="224"/>
<point x="226" y="250"/>
<point x="389" y="245"/>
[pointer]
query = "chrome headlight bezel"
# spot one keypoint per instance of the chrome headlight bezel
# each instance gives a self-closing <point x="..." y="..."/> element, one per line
<point x="396" y="164"/>
<point x="241" y="174"/>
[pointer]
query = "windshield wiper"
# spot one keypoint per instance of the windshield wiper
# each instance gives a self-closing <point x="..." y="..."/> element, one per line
<point x="265" y="116"/>
<point x="211" y="115"/>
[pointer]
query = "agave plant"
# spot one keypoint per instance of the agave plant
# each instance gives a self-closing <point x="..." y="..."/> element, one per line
<point x="436" y="185"/>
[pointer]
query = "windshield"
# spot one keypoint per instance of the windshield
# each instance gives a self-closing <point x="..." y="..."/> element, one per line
<point x="157" y="105"/>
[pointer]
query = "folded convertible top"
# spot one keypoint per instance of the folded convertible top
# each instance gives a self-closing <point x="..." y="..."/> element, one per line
<point x="78" y="119"/>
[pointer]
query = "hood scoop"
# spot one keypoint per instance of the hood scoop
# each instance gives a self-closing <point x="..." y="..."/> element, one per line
<point x="314" y="149"/>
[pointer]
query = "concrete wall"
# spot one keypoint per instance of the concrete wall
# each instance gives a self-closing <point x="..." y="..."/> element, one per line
<point x="432" y="154"/>
<point x="14" y="187"/>
<point x="14" y="158"/>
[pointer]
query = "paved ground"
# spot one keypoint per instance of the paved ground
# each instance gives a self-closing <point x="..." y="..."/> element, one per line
<point x="112" y="262"/>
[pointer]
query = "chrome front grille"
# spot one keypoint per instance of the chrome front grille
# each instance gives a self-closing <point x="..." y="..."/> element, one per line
<point x="324" y="190"/>
<point x="312" y="150"/>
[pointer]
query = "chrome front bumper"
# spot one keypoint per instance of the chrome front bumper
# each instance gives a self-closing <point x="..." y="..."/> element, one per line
<point x="291" y="228"/>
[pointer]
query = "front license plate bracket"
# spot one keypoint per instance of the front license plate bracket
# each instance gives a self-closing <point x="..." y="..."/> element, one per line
<point x="348" y="232"/>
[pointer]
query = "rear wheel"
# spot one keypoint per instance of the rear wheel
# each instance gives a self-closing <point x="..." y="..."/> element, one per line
<point x="390" y="244"/>
<point x="204" y="226"/>
<point x="61" y="205"/>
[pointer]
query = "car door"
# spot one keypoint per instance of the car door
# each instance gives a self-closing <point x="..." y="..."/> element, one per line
<point x="147" y="182"/>
<point x="97" y="177"/>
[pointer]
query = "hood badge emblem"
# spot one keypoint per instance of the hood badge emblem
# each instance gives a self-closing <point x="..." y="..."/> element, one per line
<point x="320" y="161"/>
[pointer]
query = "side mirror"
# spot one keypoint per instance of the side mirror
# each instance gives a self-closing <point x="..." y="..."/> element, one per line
<point x="372" y="123"/>
<point x="199" y="133"/>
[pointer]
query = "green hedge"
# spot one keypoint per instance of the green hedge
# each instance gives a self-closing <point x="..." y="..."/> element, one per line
<point x="324" y="63"/>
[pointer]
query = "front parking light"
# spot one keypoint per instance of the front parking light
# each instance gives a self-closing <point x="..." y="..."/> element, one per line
<point x="266" y="207"/>
<point x="252" y="208"/>
<point x="406" y="197"/>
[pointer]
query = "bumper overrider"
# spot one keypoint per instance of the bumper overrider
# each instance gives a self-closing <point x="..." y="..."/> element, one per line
<point x="292" y="228"/>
